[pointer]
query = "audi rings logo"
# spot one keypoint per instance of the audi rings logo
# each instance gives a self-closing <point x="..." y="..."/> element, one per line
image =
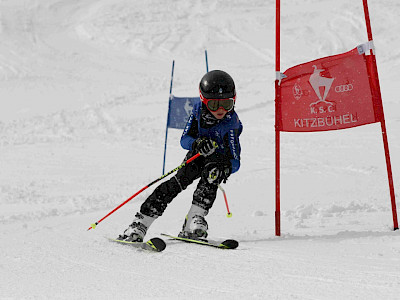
<point x="343" y="88"/>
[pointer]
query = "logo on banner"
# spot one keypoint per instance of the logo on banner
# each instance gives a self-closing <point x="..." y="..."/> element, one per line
<point x="297" y="91"/>
<point x="188" y="107"/>
<point x="344" y="88"/>
<point x="321" y="84"/>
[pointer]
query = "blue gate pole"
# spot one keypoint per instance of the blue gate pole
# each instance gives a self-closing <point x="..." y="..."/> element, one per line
<point x="206" y="60"/>
<point x="169" y="107"/>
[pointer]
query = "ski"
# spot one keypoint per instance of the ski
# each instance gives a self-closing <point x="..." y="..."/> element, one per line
<point x="221" y="244"/>
<point x="154" y="244"/>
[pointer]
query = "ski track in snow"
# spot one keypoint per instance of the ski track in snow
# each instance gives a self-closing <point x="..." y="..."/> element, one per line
<point x="84" y="96"/>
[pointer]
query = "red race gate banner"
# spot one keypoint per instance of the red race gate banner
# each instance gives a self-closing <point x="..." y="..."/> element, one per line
<point x="330" y="93"/>
<point x="335" y="92"/>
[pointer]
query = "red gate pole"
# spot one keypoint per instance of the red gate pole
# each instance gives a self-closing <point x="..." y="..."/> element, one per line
<point x="383" y="124"/>
<point x="277" y="118"/>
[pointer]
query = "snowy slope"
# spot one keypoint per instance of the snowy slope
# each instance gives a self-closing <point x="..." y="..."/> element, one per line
<point x="84" y="89"/>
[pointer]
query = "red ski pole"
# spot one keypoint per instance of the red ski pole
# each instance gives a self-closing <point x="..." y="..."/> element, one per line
<point x="229" y="214"/>
<point x="93" y="226"/>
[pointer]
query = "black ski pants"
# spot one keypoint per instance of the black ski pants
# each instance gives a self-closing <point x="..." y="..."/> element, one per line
<point x="204" y="195"/>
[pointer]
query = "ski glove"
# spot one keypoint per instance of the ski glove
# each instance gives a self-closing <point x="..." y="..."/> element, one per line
<point x="217" y="171"/>
<point x="204" y="146"/>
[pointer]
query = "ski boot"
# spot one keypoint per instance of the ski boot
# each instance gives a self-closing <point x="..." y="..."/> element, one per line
<point x="195" y="225"/>
<point x="137" y="230"/>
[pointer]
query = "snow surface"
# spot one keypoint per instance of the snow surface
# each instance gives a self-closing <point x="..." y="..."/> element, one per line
<point x="84" y="94"/>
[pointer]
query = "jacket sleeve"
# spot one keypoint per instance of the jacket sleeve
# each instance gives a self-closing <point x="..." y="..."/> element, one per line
<point x="190" y="133"/>
<point x="231" y="140"/>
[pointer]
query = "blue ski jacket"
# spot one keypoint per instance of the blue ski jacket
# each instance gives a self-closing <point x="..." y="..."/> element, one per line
<point x="225" y="133"/>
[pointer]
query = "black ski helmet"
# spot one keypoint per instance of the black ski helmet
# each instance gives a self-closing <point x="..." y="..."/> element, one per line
<point x="217" y="84"/>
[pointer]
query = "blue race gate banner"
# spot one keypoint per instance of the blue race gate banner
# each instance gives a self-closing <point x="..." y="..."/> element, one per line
<point x="179" y="111"/>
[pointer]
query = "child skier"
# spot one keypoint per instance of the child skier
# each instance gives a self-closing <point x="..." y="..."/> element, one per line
<point x="212" y="130"/>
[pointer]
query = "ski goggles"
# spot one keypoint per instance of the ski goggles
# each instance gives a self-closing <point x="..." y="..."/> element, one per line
<point x="214" y="104"/>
